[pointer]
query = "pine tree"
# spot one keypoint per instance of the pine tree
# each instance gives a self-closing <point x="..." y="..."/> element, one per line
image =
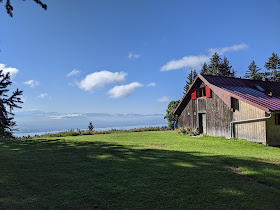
<point x="204" y="69"/>
<point x="253" y="72"/>
<point x="7" y="104"/>
<point x="272" y="65"/>
<point x="190" y="80"/>
<point x="214" y="66"/>
<point x="225" y="69"/>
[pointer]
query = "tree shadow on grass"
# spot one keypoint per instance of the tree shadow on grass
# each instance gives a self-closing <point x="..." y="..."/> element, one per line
<point x="84" y="175"/>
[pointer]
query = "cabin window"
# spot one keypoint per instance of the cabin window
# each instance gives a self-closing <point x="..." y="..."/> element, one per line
<point x="234" y="104"/>
<point x="201" y="92"/>
<point x="277" y="119"/>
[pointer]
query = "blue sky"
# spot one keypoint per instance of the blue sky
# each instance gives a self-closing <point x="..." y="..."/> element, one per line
<point x="127" y="56"/>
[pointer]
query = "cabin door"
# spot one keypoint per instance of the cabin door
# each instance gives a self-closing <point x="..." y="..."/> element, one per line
<point x="202" y="122"/>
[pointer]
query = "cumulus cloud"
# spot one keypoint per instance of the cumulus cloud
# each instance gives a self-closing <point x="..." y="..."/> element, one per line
<point x="31" y="83"/>
<point x="163" y="99"/>
<point x="131" y="55"/>
<point x="152" y="84"/>
<point x="196" y="61"/>
<point x="13" y="71"/>
<point x="100" y="79"/>
<point x="123" y="91"/>
<point x="73" y="73"/>
<point x="43" y="95"/>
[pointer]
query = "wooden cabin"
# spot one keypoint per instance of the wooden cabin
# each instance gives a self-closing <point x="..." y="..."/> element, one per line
<point x="232" y="108"/>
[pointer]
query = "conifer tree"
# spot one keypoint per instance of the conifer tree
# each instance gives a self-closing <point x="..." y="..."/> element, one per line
<point x="253" y="72"/>
<point x="272" y="65"/>
<point x="204" y="69"/>
<point x="190" y="80"/>
<point x="225" y="69"/>
<point x="214" y="66"/>
<point x="7" y="104"/>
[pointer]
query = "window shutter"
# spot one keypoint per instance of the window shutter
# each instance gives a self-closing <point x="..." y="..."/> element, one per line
<point x="276" y="119"/>
<point x="193" y="96"/>
<point x="208" y="92"/>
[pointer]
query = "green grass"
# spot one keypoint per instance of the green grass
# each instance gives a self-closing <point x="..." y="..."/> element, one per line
<point x="145" y="170"/>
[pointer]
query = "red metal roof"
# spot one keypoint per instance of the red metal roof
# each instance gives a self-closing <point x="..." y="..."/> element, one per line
<point x="254" y="92"/>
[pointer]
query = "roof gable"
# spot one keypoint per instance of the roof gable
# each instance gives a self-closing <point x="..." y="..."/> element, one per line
<point x="254" y="92"/>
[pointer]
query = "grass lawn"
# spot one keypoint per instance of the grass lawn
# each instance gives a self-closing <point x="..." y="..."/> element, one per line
<point x="145" y="170"/>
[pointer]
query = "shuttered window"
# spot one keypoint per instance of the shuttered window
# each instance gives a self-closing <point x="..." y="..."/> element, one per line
<point x="208" y="92"/>
<point x="193" y="96"/>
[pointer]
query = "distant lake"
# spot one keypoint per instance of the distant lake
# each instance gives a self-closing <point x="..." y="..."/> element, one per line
<point x="38" y="122"/>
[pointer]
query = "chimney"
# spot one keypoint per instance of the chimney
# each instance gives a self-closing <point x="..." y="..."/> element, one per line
<point x="264" y="79"/>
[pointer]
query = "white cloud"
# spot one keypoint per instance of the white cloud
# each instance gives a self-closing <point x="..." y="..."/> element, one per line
<point x="31" y="83"/>
<point x="100" y="79"/>
<point x="163" y="99"/>
<point x="152" y="84"/>
<point x="187" y="61"/>
<point x="63" y="116"/>
<point x="43" y="95"/>
<point x="123" y="91"/>
<point x="13" y="71"/>
<point x="131" y="55"/>
<point x="196" y="61"/>
<point x="235" y="47"/>
<point x="74" y="72"/>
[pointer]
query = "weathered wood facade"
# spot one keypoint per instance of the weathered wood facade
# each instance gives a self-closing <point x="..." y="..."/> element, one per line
<point x="214" y="113"/>
<point x="215" y="110"/>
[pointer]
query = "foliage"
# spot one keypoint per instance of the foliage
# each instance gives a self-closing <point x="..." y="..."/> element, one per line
<point x="204" y="69"/>
<point x="272" y="65"/>
<point x="190" y="79"/>
<point x="171" y="118"/>
<point x="218" y="67"/>
<point x="253" y="72"/>
<point x="162" y="170"/>
<point x="7" y="104"/>
<point x="10" y="8"/>
<point x="90" y="126"/>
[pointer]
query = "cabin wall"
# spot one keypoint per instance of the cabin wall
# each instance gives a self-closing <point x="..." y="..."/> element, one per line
<point x="252" y="131"/>
<point x="188" y="117"/>
<point x="218" y="115"/>
<point x="273" y="132"/>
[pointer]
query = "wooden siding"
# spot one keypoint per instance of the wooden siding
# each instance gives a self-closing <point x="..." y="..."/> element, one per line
<point x="252" y="131"/>
<point x="273" y="132"/>
<point x="188" y="117"/>
<point x="218" y="115"/>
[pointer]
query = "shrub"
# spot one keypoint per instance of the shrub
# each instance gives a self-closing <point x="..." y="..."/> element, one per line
<point x="90" y="126"/>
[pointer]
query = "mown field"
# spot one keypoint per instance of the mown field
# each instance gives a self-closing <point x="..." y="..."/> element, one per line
<point x="143" y="170"/>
